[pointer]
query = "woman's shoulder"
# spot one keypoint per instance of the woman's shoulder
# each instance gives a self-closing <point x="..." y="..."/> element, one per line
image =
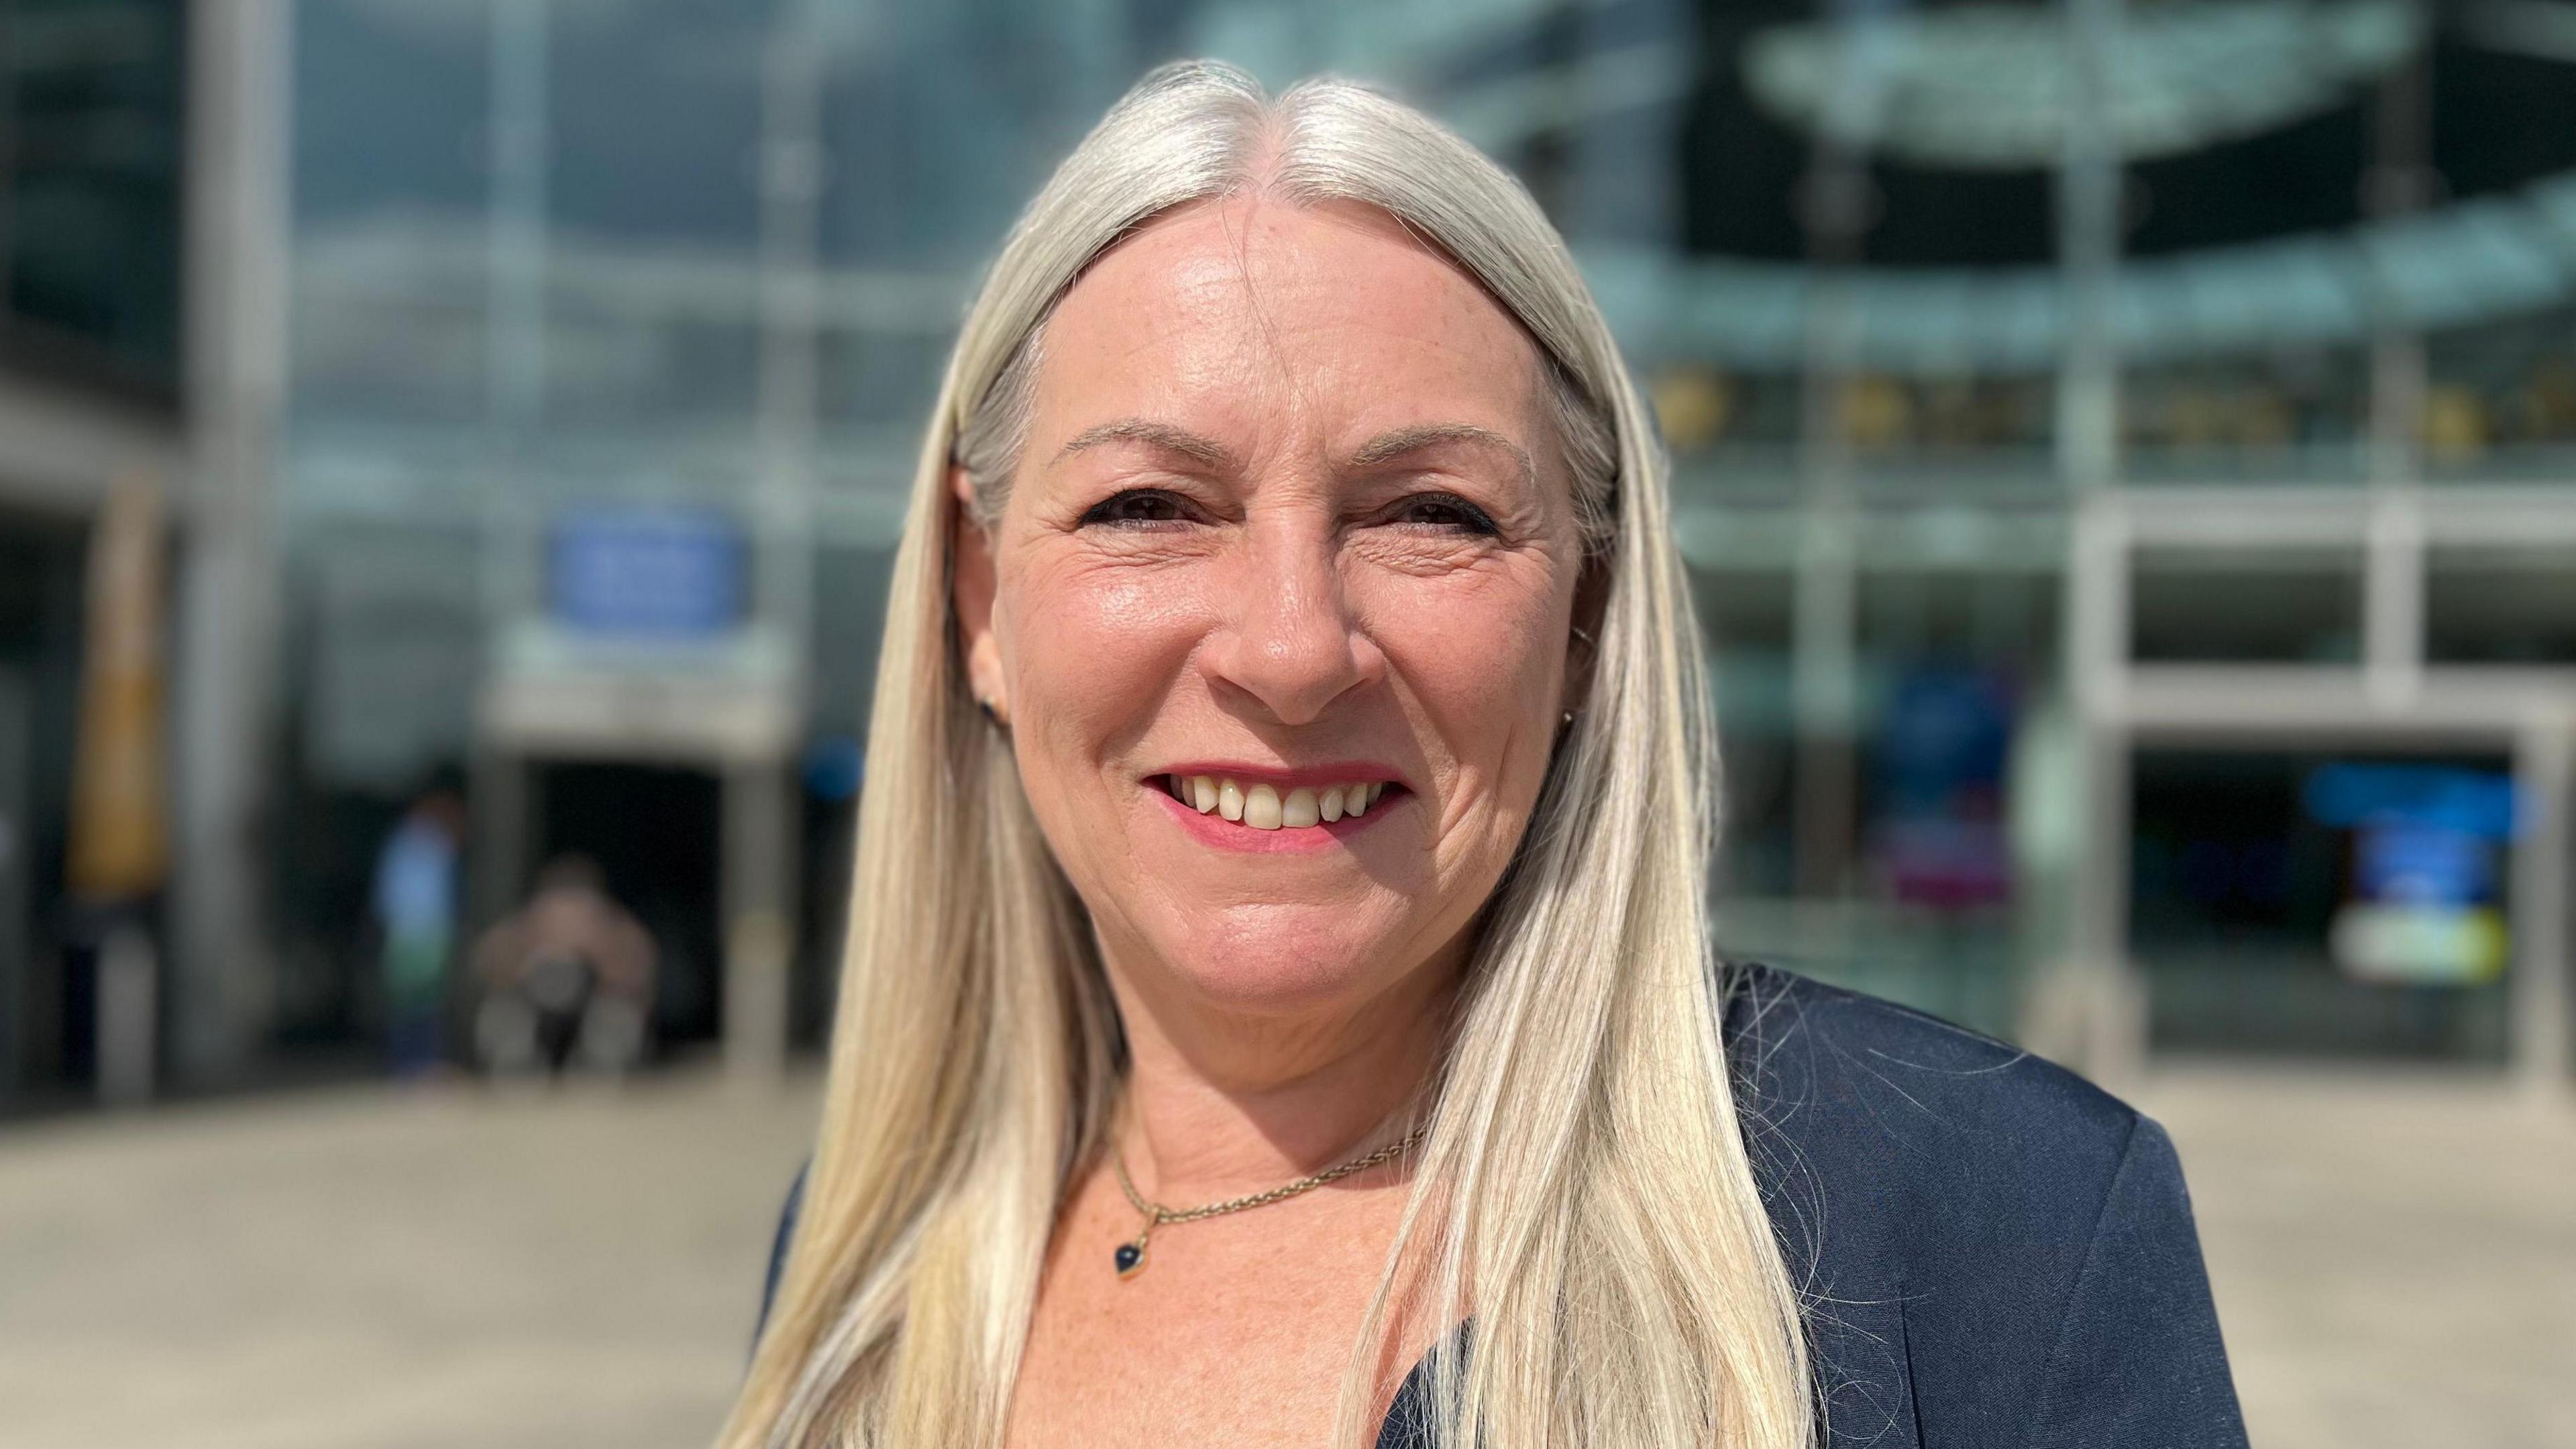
<point x="1801" y="1047"/>
<point x="1980" y="1232"/>
<point x="1935" y="1124"/>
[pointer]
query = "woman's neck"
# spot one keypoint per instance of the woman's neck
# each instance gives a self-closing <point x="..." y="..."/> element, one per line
<point x="1219" y="1104"/>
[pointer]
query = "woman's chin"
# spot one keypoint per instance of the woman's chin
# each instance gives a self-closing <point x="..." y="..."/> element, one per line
<point x="1283" y="960"/>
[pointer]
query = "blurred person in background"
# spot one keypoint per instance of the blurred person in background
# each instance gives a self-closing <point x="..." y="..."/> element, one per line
<point x="415" y="908"/>
<point x="1281" y="1005"/>
<point x="567" y="979"/>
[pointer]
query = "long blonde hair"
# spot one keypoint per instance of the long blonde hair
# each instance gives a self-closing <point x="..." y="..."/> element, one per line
<point x="1584" y="1188"/>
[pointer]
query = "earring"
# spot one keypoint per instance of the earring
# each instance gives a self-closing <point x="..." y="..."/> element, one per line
<point x="1579" y="634"/>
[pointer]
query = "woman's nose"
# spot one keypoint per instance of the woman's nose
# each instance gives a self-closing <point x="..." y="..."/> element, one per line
<point x="1288" y="639"/>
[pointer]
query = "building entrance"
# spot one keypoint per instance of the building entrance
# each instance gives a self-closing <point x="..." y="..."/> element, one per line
<point x="44" y="1021"/>
<point x="2324" y="903"/>
<point x="655" y="832"/>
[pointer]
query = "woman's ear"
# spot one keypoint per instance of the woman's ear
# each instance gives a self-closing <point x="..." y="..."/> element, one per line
<point x="1583" y="644"/>
<point x="970" y="589"/>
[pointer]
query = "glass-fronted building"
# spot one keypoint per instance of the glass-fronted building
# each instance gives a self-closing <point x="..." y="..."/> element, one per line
<point x="2127" y="454"/>
<point x="92" y="169"/>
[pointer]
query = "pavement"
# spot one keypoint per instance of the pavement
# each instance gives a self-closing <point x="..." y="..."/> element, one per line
<point x="2394" y="1256"/>
<point x="379" y="1269"/>
<point x="2394" y="1260"/>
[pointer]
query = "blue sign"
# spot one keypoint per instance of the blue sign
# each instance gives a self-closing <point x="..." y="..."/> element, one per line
<point x="2422" y="865"/>
<point x="2425" y="842"/>
<point x="639" y="573"/>
<point x="2348" y="796"/>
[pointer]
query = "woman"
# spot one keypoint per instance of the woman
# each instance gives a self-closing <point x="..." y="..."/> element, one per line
<point x="1280" y="1006"/>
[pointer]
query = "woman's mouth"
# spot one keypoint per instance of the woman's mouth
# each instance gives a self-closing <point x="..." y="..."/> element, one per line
<point x="1260" y="806"/>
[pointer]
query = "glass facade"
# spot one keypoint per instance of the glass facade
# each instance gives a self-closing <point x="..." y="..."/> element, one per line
<point x="90" y="104"/>
<point x="91" y="172"/>
<point x="1972" y="331"/>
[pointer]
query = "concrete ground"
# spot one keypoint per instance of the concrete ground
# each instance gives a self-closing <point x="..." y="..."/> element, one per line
<point x="2394" y="1257"/>
<point x="379" y="1270"/>
<point x="2395" y="1262"/>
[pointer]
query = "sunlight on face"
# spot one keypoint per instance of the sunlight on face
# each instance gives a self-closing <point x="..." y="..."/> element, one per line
<point x="1291" y="538"/>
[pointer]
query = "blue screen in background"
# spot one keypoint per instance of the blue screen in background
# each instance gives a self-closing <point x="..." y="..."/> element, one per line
<point x="646" y="573"/>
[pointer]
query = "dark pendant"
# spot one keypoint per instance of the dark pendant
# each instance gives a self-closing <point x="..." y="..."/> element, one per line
<point x="1130" y="1258"/>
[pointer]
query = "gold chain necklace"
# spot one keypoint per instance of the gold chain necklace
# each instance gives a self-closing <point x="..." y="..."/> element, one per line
<point x="1130" y="1256"/>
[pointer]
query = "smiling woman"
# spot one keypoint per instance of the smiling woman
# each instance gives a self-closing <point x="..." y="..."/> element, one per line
<point x="1280" y="1007"/>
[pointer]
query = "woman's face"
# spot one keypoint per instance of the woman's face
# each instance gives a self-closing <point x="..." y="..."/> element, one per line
<point x="1291" y="538"/>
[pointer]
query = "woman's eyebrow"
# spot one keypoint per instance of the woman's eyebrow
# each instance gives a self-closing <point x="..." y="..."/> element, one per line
<point x="1206" y="451"/>
<point x="1386" y="447"/>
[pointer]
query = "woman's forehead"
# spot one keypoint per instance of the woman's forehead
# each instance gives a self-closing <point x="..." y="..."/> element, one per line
<point x="1251" y="301"/>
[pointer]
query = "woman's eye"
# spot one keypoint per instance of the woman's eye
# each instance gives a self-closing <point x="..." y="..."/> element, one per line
<point x="1137" y="505"/>
<point x="1443" y="510"/>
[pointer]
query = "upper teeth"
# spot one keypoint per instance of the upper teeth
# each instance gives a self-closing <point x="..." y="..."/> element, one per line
<point x="1264" y="808"/>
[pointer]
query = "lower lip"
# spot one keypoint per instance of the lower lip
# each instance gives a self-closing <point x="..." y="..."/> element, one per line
<point x="1215" y="830"/>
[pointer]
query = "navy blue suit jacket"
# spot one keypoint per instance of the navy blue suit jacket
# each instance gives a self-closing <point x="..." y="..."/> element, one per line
<point x="1995" y="1254"/>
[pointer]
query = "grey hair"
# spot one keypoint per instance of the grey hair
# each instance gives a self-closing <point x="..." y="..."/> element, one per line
<point x="1584" y="1190"/>
<point x="1328" y="141"/>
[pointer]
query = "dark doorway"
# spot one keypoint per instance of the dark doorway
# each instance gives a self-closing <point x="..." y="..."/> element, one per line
<point x="657" y="834"/>
<point x="2242" y="870"/>
<point x="45" y="1026"/>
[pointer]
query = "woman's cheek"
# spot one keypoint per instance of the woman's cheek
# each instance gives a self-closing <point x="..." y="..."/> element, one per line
<point x="1484" y="695"/>
<point x="1482" y="653"/>
<point x="1091" y="640"/>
